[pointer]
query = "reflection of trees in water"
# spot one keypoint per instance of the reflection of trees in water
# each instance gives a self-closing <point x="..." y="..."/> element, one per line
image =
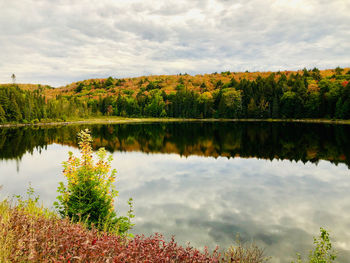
<point x="293" y="141"/>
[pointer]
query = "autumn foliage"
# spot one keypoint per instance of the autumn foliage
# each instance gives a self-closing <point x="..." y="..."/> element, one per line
<point x="259" y="95"/>
<point x="29" y="238"/>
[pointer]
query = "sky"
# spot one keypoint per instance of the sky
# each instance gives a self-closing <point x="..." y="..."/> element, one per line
<point x="57" y="42"/>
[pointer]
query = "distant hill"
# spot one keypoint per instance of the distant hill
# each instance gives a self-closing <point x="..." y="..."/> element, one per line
<point x="169" y="83"/>
<point x="30" y="87"/>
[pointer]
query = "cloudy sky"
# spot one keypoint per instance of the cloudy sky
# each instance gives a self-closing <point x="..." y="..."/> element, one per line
<point x="59" y="41"/>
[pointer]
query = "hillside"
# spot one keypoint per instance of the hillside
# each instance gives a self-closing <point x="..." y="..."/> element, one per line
<point x="169" y="83"/>
<point x="289" y="94"/>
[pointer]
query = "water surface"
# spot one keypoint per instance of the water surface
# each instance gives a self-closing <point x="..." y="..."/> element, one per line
<point x="273" y="183"/>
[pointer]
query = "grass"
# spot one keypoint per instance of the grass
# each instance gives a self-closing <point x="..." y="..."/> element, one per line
<point x="119" y="120"/>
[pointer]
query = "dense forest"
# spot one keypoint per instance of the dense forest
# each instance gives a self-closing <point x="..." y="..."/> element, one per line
<point x="301" y="94"/>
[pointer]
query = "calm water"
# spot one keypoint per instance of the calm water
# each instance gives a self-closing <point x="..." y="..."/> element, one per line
<point x="274" y="184"/>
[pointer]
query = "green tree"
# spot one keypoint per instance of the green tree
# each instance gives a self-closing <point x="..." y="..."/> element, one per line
<point x="203" y="87"/>
<point x="89" y="193"/>
<point x="205" y="102"/>
<point x="79" y="88"/>
<point x="263" y="108"/>
<point x="109" y="82"/>
<point x="2" y="114"/>
<point x="312" y="105"/>
<point x="291" y="105"/>
<point x="156" y="104"/>
<point x="252" y="108"/>
<point x="14" y="113"/>
<point x="316" y="74"/>
<point x="338" y="70"/>
<point x="306" y="72"/>
<point x="275" y="107"/>
<point x="231" y="103"/>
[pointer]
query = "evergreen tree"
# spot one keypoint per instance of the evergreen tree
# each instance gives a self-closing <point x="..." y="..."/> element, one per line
<point x="14" y="113"/>
<point x="2" y="115"/>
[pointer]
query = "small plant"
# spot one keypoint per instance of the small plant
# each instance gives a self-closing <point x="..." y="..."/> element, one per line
<point x="30" y="204"/>
<point x="323" y="252"/>
<point x="244" y="253"/>
<point x="89" y="193"/>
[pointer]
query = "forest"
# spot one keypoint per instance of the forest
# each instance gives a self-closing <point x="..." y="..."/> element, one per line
<point x="277" y="95"/>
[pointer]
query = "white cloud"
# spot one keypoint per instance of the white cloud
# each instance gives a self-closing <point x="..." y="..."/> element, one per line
<point x="57" y="42"/>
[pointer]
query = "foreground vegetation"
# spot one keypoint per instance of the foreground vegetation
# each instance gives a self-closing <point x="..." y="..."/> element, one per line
<point x="31" y="233"/>
<point x="288" y="95"/>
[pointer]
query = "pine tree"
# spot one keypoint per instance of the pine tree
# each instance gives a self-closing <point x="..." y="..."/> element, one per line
<point x="14" y="113"/>
<point x="2" y="115"/>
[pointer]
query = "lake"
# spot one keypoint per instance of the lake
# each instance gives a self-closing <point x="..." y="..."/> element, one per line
<point x="274" y="184"/>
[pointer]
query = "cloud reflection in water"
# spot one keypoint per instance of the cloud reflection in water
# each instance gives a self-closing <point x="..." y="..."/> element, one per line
<point x="206" y="201"/>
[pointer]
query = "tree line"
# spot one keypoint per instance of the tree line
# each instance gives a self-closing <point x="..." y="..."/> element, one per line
<point x="298" y="95"/>
<point x="23" y="106"/>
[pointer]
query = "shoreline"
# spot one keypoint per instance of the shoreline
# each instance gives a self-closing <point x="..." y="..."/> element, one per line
<point x="118" y="120"/>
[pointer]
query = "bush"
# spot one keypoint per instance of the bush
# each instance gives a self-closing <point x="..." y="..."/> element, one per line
<point x="323" y="252"/>
<point x="89" y="193"/>
<point x="245" y="253"/>
<point x="28" y="238"/>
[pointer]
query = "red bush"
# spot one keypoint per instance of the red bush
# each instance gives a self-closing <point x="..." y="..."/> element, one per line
<point x="39" y="239"/>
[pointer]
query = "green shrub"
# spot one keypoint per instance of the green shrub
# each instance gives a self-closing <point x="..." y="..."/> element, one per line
<point x="89" y="193"/>
<point x="323" y="252"/>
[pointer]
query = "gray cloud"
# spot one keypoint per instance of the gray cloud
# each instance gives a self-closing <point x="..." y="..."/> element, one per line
<point x="57" y="42"/>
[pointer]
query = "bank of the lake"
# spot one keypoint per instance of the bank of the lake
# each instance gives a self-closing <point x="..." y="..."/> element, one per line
<point x="121" y="120"/>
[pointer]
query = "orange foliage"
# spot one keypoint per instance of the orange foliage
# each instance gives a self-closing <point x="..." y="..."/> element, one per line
<point x="168" y="83"/>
